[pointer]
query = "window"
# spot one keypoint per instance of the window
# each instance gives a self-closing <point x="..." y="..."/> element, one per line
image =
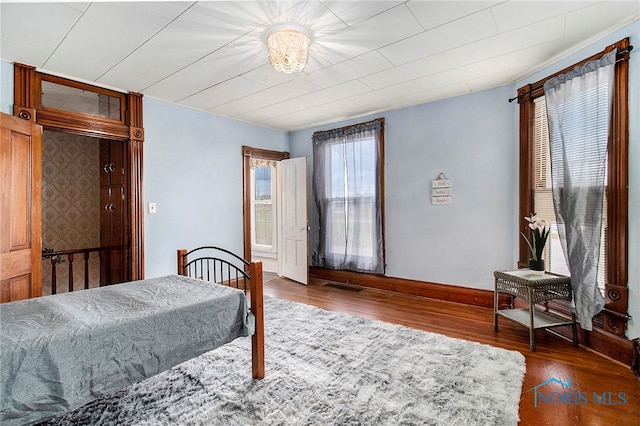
<point x="543" y="197"/>
<point x="535" y="189"/>
<point x="257" y="198"/>
<point x="347" y="182"/>
<point x="263" y="216"/>
<point x="62" y="95"/>
<point x="81" y="100"/>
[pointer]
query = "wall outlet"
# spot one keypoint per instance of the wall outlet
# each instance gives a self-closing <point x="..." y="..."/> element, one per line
<point x="152" y="208"/>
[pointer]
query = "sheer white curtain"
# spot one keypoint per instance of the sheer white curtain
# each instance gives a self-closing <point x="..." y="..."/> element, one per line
<point x="347" y="196"/>
<point x="579" y="114"/>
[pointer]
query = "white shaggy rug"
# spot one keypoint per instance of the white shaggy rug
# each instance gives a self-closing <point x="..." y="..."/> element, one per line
<point x="326" y="368"/>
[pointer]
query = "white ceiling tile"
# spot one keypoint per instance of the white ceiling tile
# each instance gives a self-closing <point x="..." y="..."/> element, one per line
<point x="536" y="57"/>
<point x="510" y="15"/>
<point x="104" y="23"/>
<point x="386" y="94"/>
<point x="441" y="79"/>
<point x="413" y="70"/>
<point x="222" y="93"/>
<point x="204" y="73"/>
<point x="324" y="53"/>
<point x="206" y="27"/>
<point x="263" y="98"/>
<point x="487" y="67"/>
<point x="484" y="82"/>
<point x="289" y="90"/>
<point x="238" y="107"/>
<point x="432" y="14"/>
<point x="312" y="15"/>
<point x="512" y="41"/>
<point x="433" y="94"/>
<point x="272" y="111"/>
<point x="445" y="92"/>
<point x="81" y="57"/>
<point x="466" y="30"/>
<point x="95" y="43"/>
<point x="461" y="74"/>
<point x="157" y="61"/>
<point x="325" y="96"/>
<point x="329" y="113"/>
<point x="268" y="76"/>
<point x="381" y="30"/>
<point x="48" y="23"/>
<point x="233" y="16"/>
<point x="596" y="19"/>
<point x="352" y="12"/>
<point x="253" y="43"/>
<point x="13" y="51"/>
<point x="254" y="13"/>
<point x="360" y="66"/>
<point x="80" y="6"/>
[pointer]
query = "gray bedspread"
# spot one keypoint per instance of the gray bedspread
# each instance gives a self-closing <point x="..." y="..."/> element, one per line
<point x="60" y="352"/>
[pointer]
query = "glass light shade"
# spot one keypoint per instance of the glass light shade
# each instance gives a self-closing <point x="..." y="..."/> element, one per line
<point x="288" y="47"/>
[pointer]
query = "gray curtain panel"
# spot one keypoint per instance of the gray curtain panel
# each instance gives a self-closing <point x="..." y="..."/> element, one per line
<point x="578" y="111"/>
<point x="347" y="196"/>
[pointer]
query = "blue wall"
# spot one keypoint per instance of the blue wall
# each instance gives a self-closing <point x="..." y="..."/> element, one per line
<point x="193" y="172"/>
<point x="470" y="140"/>
<point x="6" y="87"/>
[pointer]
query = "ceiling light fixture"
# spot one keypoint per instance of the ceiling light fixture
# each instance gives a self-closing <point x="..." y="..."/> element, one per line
<point x="288" y="47"/>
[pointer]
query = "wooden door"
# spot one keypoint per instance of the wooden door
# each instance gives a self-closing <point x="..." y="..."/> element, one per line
<point x="292" y="210"/>
<point x="20" y="209"/>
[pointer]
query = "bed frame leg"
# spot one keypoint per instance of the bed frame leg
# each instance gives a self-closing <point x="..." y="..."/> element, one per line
<point x="181" y="259"/>
<point x="257" y="340"/>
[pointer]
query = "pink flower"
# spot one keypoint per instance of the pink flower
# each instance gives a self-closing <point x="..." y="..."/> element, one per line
<point x="540" y="235"/>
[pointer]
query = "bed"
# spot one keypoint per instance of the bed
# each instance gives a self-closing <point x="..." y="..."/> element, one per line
<point x="62" y="351"/>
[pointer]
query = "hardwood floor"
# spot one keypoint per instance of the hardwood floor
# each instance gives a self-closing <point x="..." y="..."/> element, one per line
<point x="603" y="392"/>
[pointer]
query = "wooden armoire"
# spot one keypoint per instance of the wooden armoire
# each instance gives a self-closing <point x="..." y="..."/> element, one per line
<point x="113" y="236"/>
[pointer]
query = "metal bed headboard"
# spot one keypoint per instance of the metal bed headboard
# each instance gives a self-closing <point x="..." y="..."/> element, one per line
<point x="215" y="264"/>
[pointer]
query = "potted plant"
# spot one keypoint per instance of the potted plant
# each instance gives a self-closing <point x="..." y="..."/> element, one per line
<point x="539" y="233"/>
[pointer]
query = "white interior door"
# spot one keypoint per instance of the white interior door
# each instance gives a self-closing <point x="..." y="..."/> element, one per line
<point x="292" y="211"/>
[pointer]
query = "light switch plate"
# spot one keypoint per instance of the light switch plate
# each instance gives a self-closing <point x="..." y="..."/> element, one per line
<point x="152" y="208"/>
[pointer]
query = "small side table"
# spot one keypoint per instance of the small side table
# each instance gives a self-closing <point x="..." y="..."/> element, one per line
<point x="533" y="289"/>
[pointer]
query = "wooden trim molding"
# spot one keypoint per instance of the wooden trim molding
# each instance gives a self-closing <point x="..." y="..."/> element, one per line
<point x="28" y="105"/>
<point x="607" y="338"/>
<point x="129" y="127"/>
<point x="136" y="133"/>
<point x="136" y="201"/>
<point x="81" y="124"/>
<point x="24" y="103"/>
<point x="616" y="292"/>
<point x="449" y="293"/>
<point x="525" y="175"/>
<point x="635" y="366"/>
